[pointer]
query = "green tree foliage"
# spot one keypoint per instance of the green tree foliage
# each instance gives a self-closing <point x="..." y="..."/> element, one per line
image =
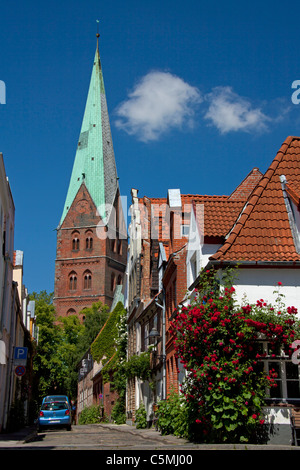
<point x="62" y="342"/>
<point x="77" y="338"/>
<point x="139" y="366"/>
<point x="110" y="347"/>
<point x="49" y="368"/>
<point x="95" y="318"/>
<point x="119" y="377"/>
<point x="71" y="330"/>
<point x="104" y="345"/>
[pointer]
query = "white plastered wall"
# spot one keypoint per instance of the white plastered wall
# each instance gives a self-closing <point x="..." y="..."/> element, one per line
<point x="262" y="283"/>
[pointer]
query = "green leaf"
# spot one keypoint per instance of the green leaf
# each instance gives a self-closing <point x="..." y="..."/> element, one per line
<point x="219" y="410"/>
<point x="231" y="427"/>
<point x="256" y="401"/>
<point x="218" y="425"/>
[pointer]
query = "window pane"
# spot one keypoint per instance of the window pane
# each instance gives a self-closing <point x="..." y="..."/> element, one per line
<point x="275" y="350"/>
<point x="293" y="389"/>
<point x="292" y="371"/>
<point x="276" y="392"/>
<point x="260" y="348"/>
<point x="276" y="367"/>
<point x="259" y="367"/>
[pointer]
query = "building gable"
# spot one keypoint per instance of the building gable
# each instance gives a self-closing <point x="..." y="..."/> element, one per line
<point x="263" y="232"/>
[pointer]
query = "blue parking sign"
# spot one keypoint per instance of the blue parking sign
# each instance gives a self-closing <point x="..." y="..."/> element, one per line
<point x="20" y="352"/>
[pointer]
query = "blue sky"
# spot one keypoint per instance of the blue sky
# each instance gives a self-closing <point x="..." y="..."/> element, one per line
<point x="216" y="76"/>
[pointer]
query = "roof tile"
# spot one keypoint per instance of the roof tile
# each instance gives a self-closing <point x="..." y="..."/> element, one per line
<point x="263" y="232"/>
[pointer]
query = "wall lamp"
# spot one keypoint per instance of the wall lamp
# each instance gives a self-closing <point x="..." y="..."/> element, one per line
<point x="155" y="334"/>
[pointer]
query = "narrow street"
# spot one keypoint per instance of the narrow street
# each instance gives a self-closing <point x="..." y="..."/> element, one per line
<point x="117" y="440"/>
<point x="99" y="437"/>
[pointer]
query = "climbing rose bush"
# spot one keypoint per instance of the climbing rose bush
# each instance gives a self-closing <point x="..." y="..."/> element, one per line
<point x="219" y="344"/>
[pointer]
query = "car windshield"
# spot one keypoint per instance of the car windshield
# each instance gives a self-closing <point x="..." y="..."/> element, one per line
<point x="55" y="398"/>
<point x="55" y="405"/>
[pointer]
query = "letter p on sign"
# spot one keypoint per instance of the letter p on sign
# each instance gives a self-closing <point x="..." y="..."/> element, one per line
<point x="20" y="353"/>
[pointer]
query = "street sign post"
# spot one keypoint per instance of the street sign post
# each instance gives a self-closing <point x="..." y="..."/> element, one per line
<point x="20" y="371"/>
<point x="20" y="355"/>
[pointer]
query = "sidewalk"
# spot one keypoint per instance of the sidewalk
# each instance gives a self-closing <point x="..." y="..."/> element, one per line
<point x="180" y="443"/>
<point x="22" y="435"/>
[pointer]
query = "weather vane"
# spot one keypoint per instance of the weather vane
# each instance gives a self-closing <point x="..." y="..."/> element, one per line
<point x="97" y="21"/>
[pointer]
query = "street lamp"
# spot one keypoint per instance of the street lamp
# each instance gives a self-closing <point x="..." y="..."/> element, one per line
<point x="155" y="334"/>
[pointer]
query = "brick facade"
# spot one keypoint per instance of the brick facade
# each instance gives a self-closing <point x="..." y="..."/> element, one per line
<point x="88" y="263"/>
<point x="104" y="395"/>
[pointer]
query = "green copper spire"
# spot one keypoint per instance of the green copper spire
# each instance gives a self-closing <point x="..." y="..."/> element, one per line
<point x="94" y="163"/>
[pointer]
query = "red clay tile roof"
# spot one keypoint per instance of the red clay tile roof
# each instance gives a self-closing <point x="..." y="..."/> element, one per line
<point x="263" y="231"/>
<point x="293" y="191"/>
<point x="243" y="191"/>
<point x="220" y="213"/>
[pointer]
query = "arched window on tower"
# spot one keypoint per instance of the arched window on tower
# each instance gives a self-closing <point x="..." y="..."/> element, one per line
<point x="72" y="281"/>
<point x="89" y="240"/>
<point x="119" y="280"/>
<point x="89" y="243"/>
<point x="75" y="241"/>
<point x="71" y="311"/>
<point x="87" y="280"/>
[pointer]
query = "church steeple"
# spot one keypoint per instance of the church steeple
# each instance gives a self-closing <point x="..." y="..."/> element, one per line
<point x="94" y="163"/>
<point x="91" y="251"/>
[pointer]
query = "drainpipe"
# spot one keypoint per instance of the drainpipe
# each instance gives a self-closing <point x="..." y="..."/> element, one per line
<point x="163" y="342"/>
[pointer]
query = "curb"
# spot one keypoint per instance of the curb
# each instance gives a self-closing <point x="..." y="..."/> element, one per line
<point x="177" y="441"/>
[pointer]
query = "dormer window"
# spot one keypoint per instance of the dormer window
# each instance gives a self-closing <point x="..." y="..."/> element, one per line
<point x="185" y="224"/>
<point x="185" y="230"/>
<point x="292" y="203"/>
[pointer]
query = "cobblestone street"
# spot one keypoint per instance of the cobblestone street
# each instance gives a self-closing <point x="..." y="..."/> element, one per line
<point x="113" y="438"/>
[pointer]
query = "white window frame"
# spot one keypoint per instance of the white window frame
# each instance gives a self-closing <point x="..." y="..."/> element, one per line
<point x="282" y="360"/>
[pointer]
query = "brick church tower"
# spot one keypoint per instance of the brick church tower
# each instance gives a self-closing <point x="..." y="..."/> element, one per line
<point x="91" y="248"/>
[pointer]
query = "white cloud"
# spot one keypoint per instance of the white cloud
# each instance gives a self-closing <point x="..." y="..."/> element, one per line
<point x="160" y="101"/>
<point x="230" y="112"/>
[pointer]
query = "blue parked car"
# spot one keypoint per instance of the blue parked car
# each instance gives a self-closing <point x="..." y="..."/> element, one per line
<point x="55" y="413"/>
